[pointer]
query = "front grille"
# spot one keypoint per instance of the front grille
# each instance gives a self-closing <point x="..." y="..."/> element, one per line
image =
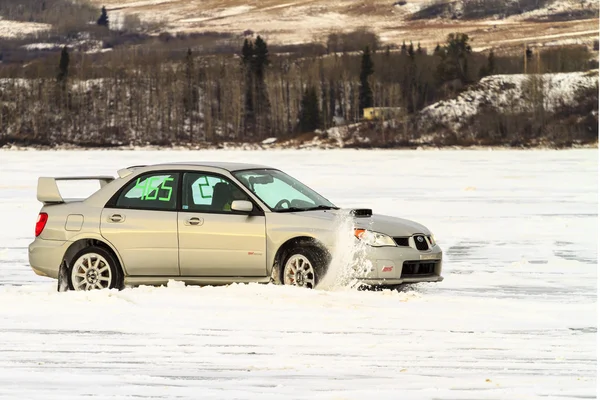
<point x="401" y="241"/>
<point x="421" y="242"/>
<point x="414" y="268"/>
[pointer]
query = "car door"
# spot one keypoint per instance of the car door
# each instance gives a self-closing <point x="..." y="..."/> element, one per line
<point x="141" y="223"/>
<point x="213" y="240"/>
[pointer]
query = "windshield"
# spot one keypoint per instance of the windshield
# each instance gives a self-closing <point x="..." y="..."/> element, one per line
<point x="280" y="192"/>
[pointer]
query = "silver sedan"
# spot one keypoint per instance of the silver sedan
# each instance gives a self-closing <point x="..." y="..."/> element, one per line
<point x="215" y="223"/>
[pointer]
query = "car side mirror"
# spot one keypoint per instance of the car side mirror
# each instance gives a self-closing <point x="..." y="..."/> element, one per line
<point x="242" y="206"/>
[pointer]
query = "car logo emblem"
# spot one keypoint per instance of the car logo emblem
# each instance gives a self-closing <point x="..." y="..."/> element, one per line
<point x="420" y="238"/>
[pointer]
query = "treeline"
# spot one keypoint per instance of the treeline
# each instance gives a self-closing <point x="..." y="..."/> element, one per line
<point x="154" y="95"/>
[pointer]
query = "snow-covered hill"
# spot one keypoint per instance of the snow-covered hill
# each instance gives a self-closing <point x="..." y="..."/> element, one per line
<point x="307" y="20"/>
<point x="507" y="94"/>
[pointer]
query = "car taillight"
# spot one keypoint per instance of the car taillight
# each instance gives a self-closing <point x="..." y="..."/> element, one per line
<point x="41" y="223"/>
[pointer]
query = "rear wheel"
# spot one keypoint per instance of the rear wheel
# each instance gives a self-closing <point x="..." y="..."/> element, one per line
<point x="304" y="267"/>
<point x="94" y="268"/>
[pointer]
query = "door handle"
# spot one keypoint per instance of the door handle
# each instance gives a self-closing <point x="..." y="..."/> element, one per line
<point x="194" y="221"/>
<point x="116" y="218"/>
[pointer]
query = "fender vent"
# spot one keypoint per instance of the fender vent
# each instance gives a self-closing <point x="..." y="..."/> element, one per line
<point x="361" y="212"/>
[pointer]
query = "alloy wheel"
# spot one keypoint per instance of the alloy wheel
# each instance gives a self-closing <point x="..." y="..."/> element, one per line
<point x="91" y="271"/>
<point x="299" y="271"/>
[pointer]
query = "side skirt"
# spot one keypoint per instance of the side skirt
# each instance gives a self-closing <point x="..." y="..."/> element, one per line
<point x="193" y="280"/>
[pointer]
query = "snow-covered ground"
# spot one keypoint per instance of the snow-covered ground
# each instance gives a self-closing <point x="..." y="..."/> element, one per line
<point x="12" y="29"/>
<point x="515" y="317"/>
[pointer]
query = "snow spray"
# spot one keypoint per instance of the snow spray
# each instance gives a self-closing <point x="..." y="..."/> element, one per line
<point x="348" y="260"/>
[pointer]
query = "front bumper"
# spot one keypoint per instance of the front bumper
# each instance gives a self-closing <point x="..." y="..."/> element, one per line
<point x="45" y="256"/>
<point x="397" y="265"/>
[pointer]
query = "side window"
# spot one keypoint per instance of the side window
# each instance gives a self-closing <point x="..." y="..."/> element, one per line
<point x="150" y="192"/>
<point x="204" y="192"/>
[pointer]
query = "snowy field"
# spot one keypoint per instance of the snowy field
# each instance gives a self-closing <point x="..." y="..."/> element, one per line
<point x="515" y="317"/>
<point x="12" y="29"/>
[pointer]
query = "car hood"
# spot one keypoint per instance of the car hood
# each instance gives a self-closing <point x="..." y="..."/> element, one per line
<point x="386" y="224"/>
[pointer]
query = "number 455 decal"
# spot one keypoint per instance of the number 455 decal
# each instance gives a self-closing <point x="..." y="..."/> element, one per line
<point x="150" y="192"/>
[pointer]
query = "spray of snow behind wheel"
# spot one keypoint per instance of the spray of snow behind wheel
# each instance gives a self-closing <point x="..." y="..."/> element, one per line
<point x="348" y="261"/>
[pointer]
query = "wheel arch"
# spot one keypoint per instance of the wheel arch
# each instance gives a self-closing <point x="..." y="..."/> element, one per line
<point x="287" y="246"/>
<point x="83" y="243"/>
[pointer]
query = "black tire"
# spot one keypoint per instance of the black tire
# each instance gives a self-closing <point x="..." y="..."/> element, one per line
<point x="116" y="274"/>
<point x="318" y="258"/>
<point x="63" y="280"/>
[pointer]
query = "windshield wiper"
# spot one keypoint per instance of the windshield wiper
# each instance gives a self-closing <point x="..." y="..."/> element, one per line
<point x="321" y="207"/>
<point x="291" y="209"/>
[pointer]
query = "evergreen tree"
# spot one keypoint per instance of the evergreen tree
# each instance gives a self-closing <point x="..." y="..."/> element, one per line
<point x="365" y="95"/>
<point x="63" y="66"/>
<point x="419" y="49"/>
<point x="247" y="52"/>
<point x="255" y="59"/>
<point x="262" y="104"/>
<point x="103" y="20"/>
<point x="455" y="58"/>
<point x="490" y="68"/>
<point x="411" y="85"/>
<point x="411" y="50"/>
<point x="403" y="48"/>
<point x="309" y="111"/>
<point x="491" y="65"/>
<point x="261" y="57"/>
<point x="438" y="50"/>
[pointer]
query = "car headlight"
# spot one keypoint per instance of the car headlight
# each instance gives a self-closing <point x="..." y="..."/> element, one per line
<point x="432" y="239"/>
<point x="374" y="239"/>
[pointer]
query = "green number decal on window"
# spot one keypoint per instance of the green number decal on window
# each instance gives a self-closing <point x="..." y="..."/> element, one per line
<point x="205" y="184"/>
<point x="143" y="186"/>
<point x="151" y="193"/>
<point x="167" y="188"/>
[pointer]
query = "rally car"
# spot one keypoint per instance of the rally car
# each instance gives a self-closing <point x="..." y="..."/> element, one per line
<point x="214" y="223"/>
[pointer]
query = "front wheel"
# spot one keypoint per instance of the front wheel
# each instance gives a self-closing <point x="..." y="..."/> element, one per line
<point x="304" y="267"/>
<point x="94" y="268"/>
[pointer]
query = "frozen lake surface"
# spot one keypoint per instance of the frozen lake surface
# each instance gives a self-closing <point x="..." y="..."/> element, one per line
<point x="515" y="317"/>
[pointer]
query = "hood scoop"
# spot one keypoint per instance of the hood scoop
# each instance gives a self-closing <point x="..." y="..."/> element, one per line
<point x="361" y="212"/>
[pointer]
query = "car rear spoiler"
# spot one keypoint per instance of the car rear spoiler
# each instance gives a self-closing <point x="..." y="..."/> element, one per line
<point x="47" y="189"/>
